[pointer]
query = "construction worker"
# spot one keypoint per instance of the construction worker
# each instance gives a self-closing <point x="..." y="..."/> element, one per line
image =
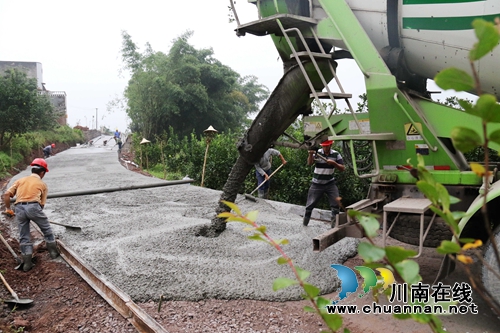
<point x="323" y="182"/>
<point x="31" y="195"/>
<point x="47" y="151"/>
<point x="117" y="134"/>
<point x="119" y="143"/>
<point x="263" y="170"/>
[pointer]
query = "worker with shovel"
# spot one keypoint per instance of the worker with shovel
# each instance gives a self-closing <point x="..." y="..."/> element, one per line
<point x="31" y="195"/>
<point x="323" y="182"/>
<point x="263" y="170"/>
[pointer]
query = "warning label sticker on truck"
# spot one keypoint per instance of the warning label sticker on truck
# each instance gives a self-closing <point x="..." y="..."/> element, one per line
<point x="363" y="123"/>
<point x="412" y="132"/>
<point x="422" y="149"/>
<point x="312" y="126"/>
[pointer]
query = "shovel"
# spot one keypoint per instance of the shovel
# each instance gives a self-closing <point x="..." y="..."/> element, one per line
<point x="321" y="157"/>
<point x="74" y="227"/>
<point x="18" y="260"/>
<point x="16" y="299"/>
<point x="249" y="196"/>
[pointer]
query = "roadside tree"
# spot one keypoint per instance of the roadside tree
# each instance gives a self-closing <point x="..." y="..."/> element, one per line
<point x="186" y="89"/>
<point x="22" y="107"/>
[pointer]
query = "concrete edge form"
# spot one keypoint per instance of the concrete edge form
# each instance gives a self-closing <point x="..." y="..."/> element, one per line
<point x="119" y="300"/>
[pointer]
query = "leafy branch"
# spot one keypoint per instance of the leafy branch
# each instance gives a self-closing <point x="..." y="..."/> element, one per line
<point x="465" y="139"/>
<point x="311" y="292"/>
<point x="395" y="258"/>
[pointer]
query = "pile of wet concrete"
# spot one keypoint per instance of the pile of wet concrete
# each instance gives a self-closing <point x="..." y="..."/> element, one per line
<point x="145" y="241"/>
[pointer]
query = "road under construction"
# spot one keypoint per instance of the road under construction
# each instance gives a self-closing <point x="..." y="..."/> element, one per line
<point x="138" y="241"/>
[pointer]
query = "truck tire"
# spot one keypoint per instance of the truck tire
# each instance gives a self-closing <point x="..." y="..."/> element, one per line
<point x="490" y="281"/>
<point x="407" y="230"/>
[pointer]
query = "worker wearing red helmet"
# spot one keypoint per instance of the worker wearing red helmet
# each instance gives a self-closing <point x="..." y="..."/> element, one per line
<point x="31" y="195"/>
<point x="47" y="151"/>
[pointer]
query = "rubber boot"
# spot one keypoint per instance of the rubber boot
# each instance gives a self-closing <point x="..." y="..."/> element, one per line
<point x="266" y="194"/>
<point x="262" y="194"/>
<point x="52" y="248"/>
<point x="27" y="262"/>
<point x="334" y="217"/>
<point x="307" y="217"/>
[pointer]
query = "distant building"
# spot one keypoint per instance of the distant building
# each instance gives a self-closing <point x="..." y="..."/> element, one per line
<point x="58" y="100"/>
<point x="34" y="70"/>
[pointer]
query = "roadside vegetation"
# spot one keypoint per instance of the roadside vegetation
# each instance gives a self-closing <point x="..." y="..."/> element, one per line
<point x="186" y="88"/>
<point x="29" y="123"/>
<point x="171" y="157"/>
<point x="25" y="147"/>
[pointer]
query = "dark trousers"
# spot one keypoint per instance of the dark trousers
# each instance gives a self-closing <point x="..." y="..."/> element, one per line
<point x="315" y="193"/>
<point x="260" y="180"/>
<point x="25" y="214"/>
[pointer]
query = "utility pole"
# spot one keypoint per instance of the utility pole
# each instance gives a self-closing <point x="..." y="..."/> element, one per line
<point x="97" y="128"/>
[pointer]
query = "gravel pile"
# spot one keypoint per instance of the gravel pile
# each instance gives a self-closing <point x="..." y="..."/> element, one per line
<point x="144" y="241"/>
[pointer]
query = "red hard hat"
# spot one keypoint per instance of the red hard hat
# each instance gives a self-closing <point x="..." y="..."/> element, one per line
<point x="41" y="163"/>
<point x="53" y="145"/>
<point x="326" y="143"/>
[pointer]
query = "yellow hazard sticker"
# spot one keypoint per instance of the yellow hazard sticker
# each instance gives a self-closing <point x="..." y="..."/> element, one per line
<point x="312" y="126"/>
<point x="413" y="131"/>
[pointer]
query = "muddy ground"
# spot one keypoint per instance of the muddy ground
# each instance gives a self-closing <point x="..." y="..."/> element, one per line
<point x="63" y="302"/>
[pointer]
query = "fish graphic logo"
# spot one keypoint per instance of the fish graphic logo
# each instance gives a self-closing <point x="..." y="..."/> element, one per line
<point x="350" y="284"/>
<point x="369" y="277"/>
<point x="387" y="276"/>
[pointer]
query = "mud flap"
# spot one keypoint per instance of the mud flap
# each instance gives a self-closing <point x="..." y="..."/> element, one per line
<point x="447" y="267"/>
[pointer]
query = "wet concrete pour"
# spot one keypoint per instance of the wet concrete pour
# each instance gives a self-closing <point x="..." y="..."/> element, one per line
<point x="144" y="240"/>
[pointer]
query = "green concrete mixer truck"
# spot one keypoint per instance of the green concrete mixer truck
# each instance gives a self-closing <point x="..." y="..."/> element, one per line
<point x="397" y="45"/>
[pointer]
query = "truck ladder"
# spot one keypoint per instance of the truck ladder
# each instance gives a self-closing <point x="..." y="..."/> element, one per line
<point x="285" y="24"/>
<point x="332" y="96"/>
<point x="312" y="56"/>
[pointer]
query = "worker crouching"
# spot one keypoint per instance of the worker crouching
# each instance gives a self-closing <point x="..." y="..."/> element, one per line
<point x="31" y="195"/>
<point x="48" y="151"/>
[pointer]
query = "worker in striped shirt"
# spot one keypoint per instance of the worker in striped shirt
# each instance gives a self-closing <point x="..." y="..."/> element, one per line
<point x="326" y="161"/>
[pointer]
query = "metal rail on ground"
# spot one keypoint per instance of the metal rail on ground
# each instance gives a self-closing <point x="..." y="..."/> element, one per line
<point x="119" y="300"/>
<point x="115" y="297"/>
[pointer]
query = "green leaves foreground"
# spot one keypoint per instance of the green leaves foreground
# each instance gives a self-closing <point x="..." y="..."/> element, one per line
<point x="311" y="292"/>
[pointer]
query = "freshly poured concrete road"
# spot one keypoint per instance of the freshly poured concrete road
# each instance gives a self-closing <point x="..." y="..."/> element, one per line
<point x="144" y="240"/>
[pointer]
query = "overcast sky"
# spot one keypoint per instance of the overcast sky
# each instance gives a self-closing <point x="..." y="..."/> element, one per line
<point x="78" y="44"/>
